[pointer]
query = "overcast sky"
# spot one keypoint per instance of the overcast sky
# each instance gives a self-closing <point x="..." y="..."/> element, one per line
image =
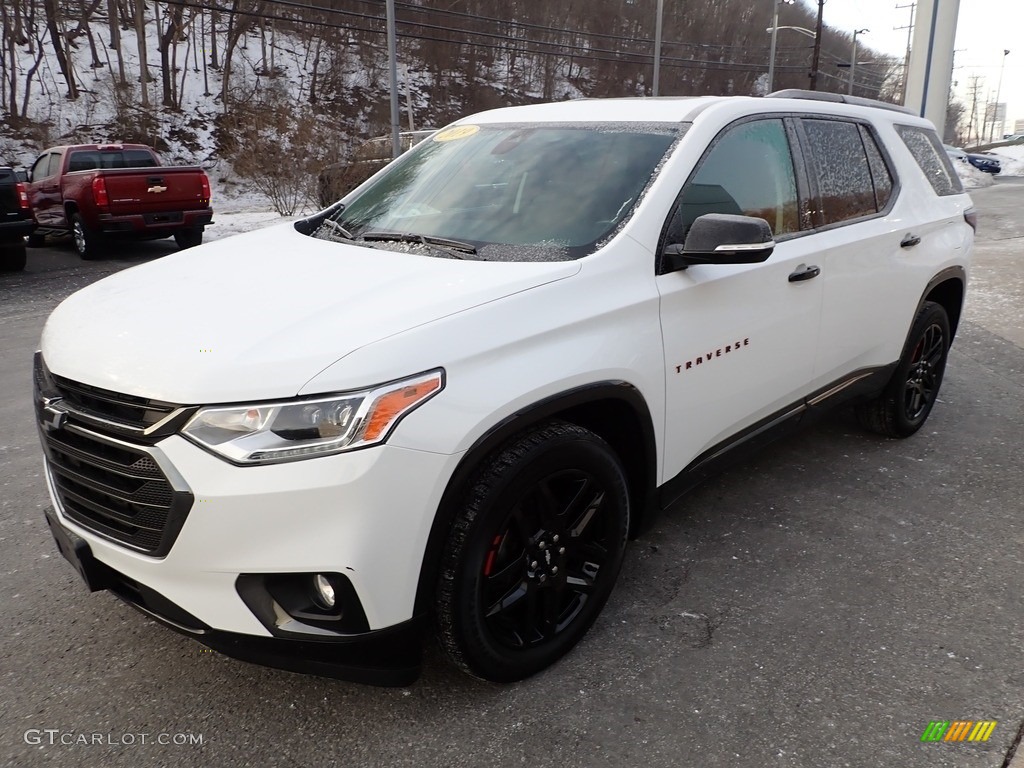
<point x="985" y="29"/>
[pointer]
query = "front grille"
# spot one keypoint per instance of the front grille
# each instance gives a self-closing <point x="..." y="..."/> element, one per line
<point x="136" y="412"/>
<point x="110" y="485"/>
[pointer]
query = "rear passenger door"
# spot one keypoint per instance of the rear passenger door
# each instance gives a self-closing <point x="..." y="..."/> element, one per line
<point x="866" y="288"/>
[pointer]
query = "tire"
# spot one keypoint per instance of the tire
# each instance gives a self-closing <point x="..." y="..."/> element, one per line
<point x="85" y="239"/>
<point x="12" y="257"/>
<point x="188" y="238"/>
<point x="908" y="398"/>
<point x="36" y="240"/>
<point x="533" y="553"/>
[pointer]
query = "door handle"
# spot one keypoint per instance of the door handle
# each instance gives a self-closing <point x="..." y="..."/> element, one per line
<point x="910" y="241"/>
<point x="804" y="272"/>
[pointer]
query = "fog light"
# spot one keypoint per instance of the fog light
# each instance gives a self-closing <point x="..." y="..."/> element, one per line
<point x="324" y="591"/>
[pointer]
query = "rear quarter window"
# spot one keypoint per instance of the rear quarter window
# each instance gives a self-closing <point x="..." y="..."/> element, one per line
<point x="931" y="158"/>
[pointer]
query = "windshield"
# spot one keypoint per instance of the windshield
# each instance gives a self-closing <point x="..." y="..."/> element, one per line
<point x="534" y="192"/>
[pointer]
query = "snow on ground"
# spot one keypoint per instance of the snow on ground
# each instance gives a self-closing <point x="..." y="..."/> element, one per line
<point x="235" y="222"/>
<point x="1012" y="159"/>
<point x="971" y="177"/>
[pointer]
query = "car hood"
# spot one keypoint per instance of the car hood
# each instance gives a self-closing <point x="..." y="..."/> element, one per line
<point x="258" y="315"/>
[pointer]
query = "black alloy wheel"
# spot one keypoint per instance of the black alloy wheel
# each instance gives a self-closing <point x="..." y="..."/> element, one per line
<point x="535" y="553"/>
<point x="925" y="373"/>
<point x="907" y="400"/>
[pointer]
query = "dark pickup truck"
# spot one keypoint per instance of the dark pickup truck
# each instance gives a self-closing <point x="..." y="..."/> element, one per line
<point x="99" y="192"/>
<point x="15" y="221"/>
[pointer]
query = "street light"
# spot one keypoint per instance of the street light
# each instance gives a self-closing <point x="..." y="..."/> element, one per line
<point x="774" y="29"/>
<point x="801" y="30"/>
<point x="853" y="60"/>
<point x="999" y="88"/>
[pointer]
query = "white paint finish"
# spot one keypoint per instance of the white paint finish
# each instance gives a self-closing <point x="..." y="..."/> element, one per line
<point x="285" y="314"/>
<point x="257" y="316"/>
<point x="343" y="514"/>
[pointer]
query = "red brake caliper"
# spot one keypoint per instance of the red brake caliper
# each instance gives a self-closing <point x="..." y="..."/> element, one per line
<point x="495" y="546"/>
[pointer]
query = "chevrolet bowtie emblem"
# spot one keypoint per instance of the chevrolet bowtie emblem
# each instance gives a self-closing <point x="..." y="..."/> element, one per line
<point x="157" y="189"/>
<point x="54" y="415"/>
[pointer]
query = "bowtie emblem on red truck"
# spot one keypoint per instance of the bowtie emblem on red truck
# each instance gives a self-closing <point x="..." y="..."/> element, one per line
<point x="157" y="189"/>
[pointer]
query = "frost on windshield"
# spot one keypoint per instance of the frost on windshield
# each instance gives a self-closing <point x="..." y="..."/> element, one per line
<point x="527" y="192"/>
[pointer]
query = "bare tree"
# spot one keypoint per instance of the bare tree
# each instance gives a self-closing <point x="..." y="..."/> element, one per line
<point x="140" y="35"/>
<point x="168" y="38"/>
<point x="52" y="12"/>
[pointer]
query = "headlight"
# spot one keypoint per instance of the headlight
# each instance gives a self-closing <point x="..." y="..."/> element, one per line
<point x="299" y="429"/>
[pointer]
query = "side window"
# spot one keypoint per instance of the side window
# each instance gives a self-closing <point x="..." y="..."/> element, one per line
<point x="840" y="164"/>
<point x="931" y="158"/>
<point x="56" y="160"/>
<point x="39" y="168"/>
<point x="749" y="171"/>
<point x="880" y="173"/>
<point x="84" y="161"/>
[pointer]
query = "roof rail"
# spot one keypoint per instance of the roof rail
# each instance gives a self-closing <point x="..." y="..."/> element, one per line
<point x="839" y="98"/>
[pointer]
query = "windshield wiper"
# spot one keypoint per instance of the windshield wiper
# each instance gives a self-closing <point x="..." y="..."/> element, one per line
<point x="407" y="237"/>
<point x="336" y="228"/>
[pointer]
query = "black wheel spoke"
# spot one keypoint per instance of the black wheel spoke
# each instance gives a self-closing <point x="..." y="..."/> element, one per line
<point x="591" y="507"/>
<point x="507" y="573"/>
<point x="581" y="584"/>
<point x="519" y="593"/>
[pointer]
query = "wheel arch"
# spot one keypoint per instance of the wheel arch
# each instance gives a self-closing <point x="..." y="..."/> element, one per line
<point x="614" y="410"/>
<point x="948" y="289"/>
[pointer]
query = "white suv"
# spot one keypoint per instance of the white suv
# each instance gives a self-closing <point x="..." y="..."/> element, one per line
<point x="450" y="399"/>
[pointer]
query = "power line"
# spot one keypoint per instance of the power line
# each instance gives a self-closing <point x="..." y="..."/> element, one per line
<point x="587" y="55"/>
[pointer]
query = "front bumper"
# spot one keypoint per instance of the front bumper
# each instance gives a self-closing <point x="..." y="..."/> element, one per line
<point x="364" y="514"/>
<point x="390" y="656"/>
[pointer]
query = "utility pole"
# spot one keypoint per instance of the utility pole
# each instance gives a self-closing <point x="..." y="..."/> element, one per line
<point x="853" y="59"/>
<point x="657" y="47"/>
<point x="906" y="61"/>
<point x="973" y="90"/>
<point x="817" y="46"/>
<point x="999" y="92"/>
<point x="396" y="142"/>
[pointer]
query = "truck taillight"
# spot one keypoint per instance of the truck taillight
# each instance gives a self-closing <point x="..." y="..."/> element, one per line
<point x="19" y="189"/>
<point x="205" y="182"/>
<point x="99" y="191"/>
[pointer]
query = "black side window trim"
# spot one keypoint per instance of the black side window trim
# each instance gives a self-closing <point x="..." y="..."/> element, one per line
<point x="886" y="158"/>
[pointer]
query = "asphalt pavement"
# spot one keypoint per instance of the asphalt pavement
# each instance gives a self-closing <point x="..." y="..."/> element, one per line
<point x="817" y="606"/>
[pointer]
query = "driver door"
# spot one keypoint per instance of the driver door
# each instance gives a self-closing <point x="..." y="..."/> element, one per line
<point x="739" y="339"/>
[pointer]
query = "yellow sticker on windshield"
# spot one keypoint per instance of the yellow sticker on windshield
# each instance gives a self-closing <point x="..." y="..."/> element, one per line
<point x="457" y="132"/>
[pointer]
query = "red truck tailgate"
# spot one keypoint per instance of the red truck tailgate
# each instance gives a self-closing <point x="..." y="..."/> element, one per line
<point x="150" y="190"/>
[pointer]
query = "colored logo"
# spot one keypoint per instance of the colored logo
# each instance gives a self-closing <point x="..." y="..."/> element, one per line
<point x="958" y="730"/>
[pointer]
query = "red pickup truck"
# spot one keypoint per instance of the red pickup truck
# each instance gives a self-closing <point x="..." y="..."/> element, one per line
<point x="98" y="192"/>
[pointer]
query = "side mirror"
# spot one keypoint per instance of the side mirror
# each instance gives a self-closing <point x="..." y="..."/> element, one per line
<point x="721" y="238"/>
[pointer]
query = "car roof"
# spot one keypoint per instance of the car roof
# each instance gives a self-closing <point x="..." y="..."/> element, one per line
<point x="681" y="109"/>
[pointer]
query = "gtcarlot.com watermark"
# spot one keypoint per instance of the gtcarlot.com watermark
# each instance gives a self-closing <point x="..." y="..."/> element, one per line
<point x="42" y="737"/>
